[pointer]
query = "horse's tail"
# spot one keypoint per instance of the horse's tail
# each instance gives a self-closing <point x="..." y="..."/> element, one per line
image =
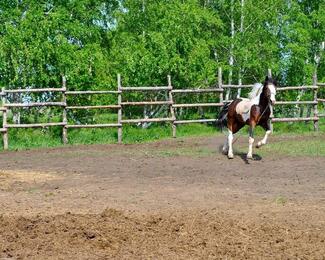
<point x="223" y="117"/>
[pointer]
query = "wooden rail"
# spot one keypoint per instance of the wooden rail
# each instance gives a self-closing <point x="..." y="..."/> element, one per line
<point x="237" y="86"/>
<point x="35" y="125"/>
<point x="296" y="119"/>
<point x="94" y="107"/>
<point x="195" y="121"/>
<point x="149" y="103"/>
<point x="170" y="102"/>
<point x="91" y="92"/>
<point x="296" y="102"/>
<point x="146" y="120"/>
<point x="145" y="88"/>
<point x="204" y="90"/>
<point x="296" y="88"/>
<point x="199" y="105"/>
<point x="93" y="126"/>
<point x="33" y="90"/>
<point x="36" y="104"/>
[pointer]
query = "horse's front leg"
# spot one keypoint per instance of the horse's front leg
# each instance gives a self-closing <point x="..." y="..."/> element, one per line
<point x="267" y="133"/>
<point x="250" y="141"/>
<point x="264" y="140"/>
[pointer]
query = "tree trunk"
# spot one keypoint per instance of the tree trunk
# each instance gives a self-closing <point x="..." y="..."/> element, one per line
<point x="231" y="54"/>
<point x="240" y="73"/>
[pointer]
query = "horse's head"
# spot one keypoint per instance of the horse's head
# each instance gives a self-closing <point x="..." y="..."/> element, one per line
<point x="269" y="89"/>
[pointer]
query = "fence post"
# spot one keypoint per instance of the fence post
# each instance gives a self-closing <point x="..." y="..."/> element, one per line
<point x="64" y="117"/>
<point x="171" y="106"/>
<point x="269" y="74"/>
<point x="4" y="121"/>
<point x="316" y="128"/>
<point x="220" y="84"/>
<point x="119" y="111"/>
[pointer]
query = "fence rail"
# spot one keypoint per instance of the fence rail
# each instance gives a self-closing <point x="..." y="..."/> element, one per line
<point x="295" y="119"/>
<point x="41" y="125"/>
<point x="92" y="126"/>
<point x="297" y="88"/>
<point x="36" y="104"/>
<point x="237" y="86"/>
<point x="221" y="89"/>
<point x="33" y="90"/>
<point x="199" y="90"/>
<point x="94" y="107"/>
<point x="91" y="92"/>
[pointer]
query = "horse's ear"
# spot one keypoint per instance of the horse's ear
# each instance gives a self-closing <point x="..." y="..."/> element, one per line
<point x="275" y="79"/>
<point x="267" y="78"/>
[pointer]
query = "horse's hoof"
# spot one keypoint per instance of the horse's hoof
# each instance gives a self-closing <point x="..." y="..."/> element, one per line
<point x="230" y="156"/>
<point x="249" y="156"/>
<point x="259" y="145"/>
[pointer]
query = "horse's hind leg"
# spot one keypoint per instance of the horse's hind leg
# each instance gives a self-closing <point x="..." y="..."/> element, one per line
<point x="225" y="147"/>
<point x="251" y="141"/>
<point x="230" y="139"/>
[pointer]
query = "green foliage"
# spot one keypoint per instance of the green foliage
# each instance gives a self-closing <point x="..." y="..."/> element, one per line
<point x="156" y="38"/>
<point x="90" y="41"/>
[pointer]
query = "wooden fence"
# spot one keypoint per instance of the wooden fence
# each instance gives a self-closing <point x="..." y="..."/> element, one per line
<point x="219" y="89"/>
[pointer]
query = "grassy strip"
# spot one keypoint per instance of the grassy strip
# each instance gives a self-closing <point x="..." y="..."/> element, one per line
<point x="20" y="139"/>
<point x="310" y="147"/>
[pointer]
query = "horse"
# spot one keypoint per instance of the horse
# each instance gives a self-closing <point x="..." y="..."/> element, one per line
<point x="253" y="111"/>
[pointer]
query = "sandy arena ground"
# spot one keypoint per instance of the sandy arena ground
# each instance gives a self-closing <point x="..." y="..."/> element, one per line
<point x="173" y="199"/>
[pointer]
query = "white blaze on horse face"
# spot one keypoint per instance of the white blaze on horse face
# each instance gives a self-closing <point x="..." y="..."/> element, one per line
<point x="273" y="92"/>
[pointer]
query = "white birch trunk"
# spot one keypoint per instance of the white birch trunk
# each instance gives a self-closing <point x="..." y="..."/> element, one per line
<point x="241" y="30"/>
<point x="231" y="54"/>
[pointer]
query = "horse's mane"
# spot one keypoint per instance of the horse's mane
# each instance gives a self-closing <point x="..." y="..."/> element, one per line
<point x="256" y="91"/>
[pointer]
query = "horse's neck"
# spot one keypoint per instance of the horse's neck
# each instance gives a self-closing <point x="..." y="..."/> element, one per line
<point x="263" y="101"/>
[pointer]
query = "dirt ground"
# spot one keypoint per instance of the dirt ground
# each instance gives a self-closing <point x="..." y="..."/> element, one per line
<point x="173" y="199"/>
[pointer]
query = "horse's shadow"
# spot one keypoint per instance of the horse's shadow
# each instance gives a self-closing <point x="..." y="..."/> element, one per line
<point x="243" y="155"/>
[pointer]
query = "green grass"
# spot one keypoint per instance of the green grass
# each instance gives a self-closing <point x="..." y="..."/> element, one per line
<point x="280" y="200"/>
<point x="295" y="145"/>
<point x="309" y="147"/>
<point x="20" y="139"/>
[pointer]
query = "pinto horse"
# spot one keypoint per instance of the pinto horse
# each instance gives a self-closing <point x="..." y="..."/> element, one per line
<point x="252" y="111"/>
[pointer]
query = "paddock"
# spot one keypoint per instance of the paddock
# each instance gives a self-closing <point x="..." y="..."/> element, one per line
<point x="172" y="199"/>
